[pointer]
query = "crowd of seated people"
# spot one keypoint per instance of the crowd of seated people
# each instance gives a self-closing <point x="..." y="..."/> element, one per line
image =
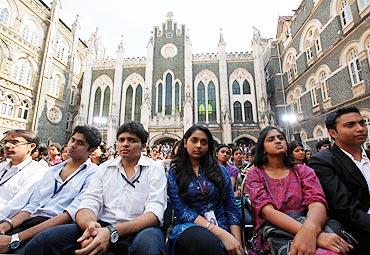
<point x="87" y="199"/>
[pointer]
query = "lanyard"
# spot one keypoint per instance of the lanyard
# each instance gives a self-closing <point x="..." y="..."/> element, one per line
<point x="203" y="190"/>
<point x="132" y="184"/>
<point x="57" y="190"/>
<point x="1" y="183"/>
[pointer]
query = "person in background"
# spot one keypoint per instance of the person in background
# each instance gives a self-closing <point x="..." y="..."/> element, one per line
<point x="296" y="152"/>
<point x="64" y="154"/>
<point x="237" y="159"/>
<point x="277" y="187"/>
<point x="54" y="154"/>
<point x="223" y="155"/>
<point x="154" y="153"/>
<point x="323" y="145"/>
<point x="98" y="155"/>
<point x="40" y="154"/>
<point x="308" y="154"/>
<point x="19" y="175"/>
<point x="207" y="218"/>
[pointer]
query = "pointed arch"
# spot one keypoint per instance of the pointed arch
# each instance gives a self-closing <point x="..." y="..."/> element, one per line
<point x="134" y="80"/>
<point x="128" y="103"/>
<point x="201" y="102"/>
<point x="138" y="102"/>
<point x="168" y="94"/>
<point x="211" y="99"/>
<point x="100" y="85"/>
<point x="237" y="106"/>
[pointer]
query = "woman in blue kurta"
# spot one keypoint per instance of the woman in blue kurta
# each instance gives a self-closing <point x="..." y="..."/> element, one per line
<point x="207" y="217"/>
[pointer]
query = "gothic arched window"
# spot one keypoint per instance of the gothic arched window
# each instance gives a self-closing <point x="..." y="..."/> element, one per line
<point x="201" y="102"/>
<point x="248" y="114"/>
<point x="211" y="102"/>
<point x="237" y="112"/>
<point x="23" y="110"/>
<point x="97" y="100"/>
<point x="177" y="97"/>
<point x="22" y="72"/>
<point x="4" y="16"/>
<point x="354" y="67"/>
<point x="246" y="88"/>
<point x="138" y="101"/>
<point x="168" y="98"/>
<point x="159" y="96"/>
<point x="128" y="105"/>
<point x="236" y="88"/>
<point x="106" y="102"/>
<point x="7" y="107"/>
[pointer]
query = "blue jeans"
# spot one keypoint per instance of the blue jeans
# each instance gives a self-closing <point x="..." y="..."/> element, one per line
<point x="63" y="240"/>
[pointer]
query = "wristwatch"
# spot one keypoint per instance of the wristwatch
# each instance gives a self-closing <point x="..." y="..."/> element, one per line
<point x="14" y="242"/>
<point x="113" y="234"/>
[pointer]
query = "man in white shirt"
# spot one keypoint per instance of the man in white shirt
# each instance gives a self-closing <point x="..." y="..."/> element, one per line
<point x="344" y="173"/>
<point x="58" y="194"/>
<point x="121" y="209"/>
<point x="19" y="175"/>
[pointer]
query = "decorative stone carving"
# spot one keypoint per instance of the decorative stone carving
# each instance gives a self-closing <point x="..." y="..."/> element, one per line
<point x="169" y="50"/>
<point x="54" y="115"/>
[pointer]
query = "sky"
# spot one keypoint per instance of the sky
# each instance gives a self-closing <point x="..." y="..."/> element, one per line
<point x="135" y="19"/>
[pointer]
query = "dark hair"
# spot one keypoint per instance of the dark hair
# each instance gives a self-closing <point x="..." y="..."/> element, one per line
<point x="57" y="146"/>
<point x="222" y="145"/>
<point x="91" y="134"/>
<point x="235" y="149"/>
<point x="43" y="151"/>
<point x="183" y="168"/>
<point x="331" y="119"/>
<point x="134" y="128"/>
<point x="291" y="146"/>
<point x="30" y="136"/>
<point x="319" y="144"/>
<point x="174" y="147"/>
<point x="260" y="157"/>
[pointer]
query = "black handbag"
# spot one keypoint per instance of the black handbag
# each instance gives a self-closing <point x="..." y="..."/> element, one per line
<point x="280" y="241"/>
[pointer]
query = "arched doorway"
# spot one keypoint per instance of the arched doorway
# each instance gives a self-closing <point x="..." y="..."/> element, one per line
<point x="165" y="140"/>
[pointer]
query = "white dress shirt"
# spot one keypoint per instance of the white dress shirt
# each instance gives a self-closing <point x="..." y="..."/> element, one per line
<point x="363" y="165"/>
<point x="114" y="200"/>
<point x="54" y="196"/>
<point x="17" y="185"/>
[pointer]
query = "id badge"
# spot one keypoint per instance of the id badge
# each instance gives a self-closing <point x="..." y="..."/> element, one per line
<point x="211" y="217"/>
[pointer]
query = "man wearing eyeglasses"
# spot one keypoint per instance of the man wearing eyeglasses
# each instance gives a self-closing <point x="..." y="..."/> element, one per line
<point x="19" y="174"/>
<point x="58" y="194"/>
<point x="121" y="208"/>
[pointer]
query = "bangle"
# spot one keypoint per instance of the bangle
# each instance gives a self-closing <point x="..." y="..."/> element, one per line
<point x="211" y="227"/>
<point x="209" y="223"/>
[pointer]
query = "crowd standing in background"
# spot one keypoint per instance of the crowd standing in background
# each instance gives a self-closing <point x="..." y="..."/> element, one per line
<point x="87" y="198"/>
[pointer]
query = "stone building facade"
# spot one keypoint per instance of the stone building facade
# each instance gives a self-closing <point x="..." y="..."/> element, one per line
<point x="319" y="62"/>
<point x="170" y="89"/>
<point x="41" y="66"/>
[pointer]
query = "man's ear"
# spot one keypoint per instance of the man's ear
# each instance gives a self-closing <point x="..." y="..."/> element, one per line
<point x="333" y="133"/>
<point x="143" y="146"/>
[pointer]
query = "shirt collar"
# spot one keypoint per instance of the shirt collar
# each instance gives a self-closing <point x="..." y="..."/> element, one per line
<point x="143" y="161"/>
<point x="20" y="165"/>
<point x="363" y="155"/>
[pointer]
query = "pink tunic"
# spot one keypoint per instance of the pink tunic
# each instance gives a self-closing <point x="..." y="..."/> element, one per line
<point x="292" y="193"/>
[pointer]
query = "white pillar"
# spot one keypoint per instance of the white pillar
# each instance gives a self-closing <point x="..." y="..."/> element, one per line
<point x="224" y="92"/>
<point x="188" y="89"/>
<point x="147" y="97"/>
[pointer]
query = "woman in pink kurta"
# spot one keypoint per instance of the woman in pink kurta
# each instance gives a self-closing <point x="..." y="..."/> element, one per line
<point x="276" y="187"/>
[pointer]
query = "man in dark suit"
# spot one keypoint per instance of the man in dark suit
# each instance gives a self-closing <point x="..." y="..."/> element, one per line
<point x="344" y="173"/>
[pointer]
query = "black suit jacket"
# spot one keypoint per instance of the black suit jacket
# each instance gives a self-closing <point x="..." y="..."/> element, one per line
<point x="345" y="187"/>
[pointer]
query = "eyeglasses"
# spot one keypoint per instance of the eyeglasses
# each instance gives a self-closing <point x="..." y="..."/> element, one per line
<point x="13" y="143"/>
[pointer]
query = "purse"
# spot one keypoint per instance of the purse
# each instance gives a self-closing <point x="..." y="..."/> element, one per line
<point x="280" y="241"/>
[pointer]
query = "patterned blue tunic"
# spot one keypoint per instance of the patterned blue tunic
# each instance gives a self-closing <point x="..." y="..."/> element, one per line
<point x="226" y="211"/>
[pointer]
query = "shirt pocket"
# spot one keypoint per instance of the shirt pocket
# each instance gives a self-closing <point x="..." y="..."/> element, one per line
<point x="138" y="200"/>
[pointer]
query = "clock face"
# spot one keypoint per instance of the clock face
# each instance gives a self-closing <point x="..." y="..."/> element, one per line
<point x="169" y="35"/>
<point x="169" y="50"/>
<point x="54" y="115"/>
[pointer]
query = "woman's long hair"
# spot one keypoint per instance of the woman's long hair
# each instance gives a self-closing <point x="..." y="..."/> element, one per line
<point x="260" y="158"/>
<point x="183" y="168"/>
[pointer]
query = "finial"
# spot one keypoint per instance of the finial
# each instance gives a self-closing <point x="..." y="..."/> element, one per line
<point x="170" y="15"/>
